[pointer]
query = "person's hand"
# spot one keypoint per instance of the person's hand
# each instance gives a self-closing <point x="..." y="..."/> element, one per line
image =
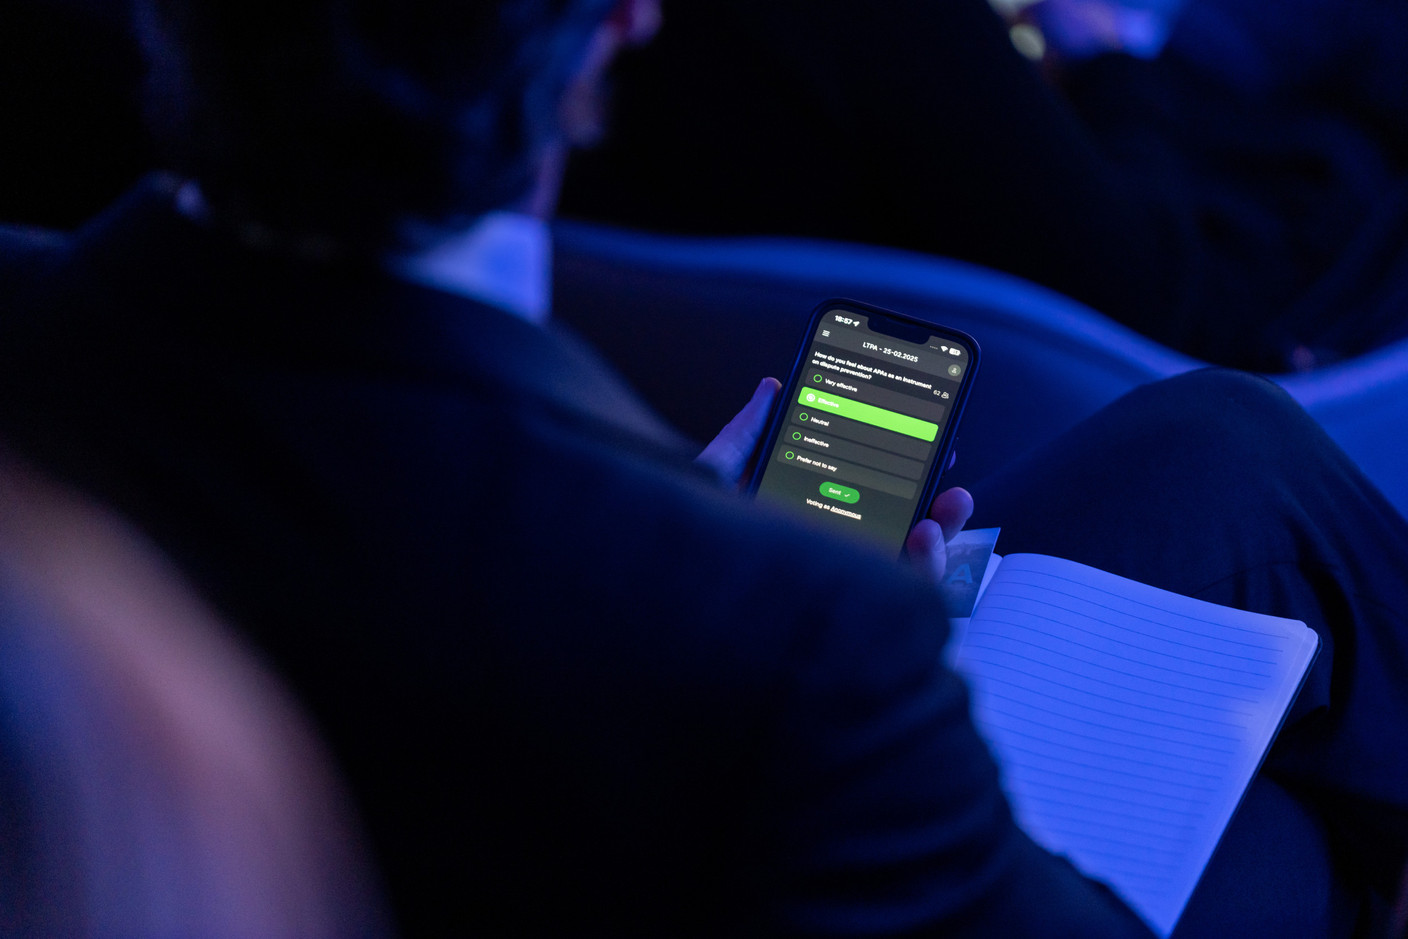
<point x="927" y="544"/>
<point x="728" y="453"/>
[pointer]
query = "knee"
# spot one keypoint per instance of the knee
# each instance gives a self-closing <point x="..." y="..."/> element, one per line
<point x="1213" y="391"/>
<point x="1226" y="411"/>
<point x="1217" y="428"/>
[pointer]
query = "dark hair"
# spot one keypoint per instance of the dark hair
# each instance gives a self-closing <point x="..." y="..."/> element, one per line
<point x="340" y="117"/>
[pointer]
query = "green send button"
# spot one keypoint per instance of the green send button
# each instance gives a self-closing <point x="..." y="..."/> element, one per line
<point x="840" y="493"/>
<point x="868" y="414"/>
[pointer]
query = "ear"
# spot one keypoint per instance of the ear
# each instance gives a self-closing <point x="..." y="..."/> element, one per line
<point x="635" y="21"/>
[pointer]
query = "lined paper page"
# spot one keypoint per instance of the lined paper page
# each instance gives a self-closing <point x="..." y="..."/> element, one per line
<point x="1127" y="720"/>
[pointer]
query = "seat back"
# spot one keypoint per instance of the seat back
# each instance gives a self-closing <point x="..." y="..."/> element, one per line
<point x="694" y="322"/>
<point x="1363" y="404"/>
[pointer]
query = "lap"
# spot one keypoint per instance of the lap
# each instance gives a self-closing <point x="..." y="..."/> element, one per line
<point x="1217" y="485"/>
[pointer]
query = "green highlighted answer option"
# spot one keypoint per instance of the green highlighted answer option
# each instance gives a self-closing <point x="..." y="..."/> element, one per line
<point x="839" y="493"/>
<point x="868" y="414"/>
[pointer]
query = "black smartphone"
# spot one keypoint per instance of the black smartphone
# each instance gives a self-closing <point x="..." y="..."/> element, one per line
<point x="867" y="420"/>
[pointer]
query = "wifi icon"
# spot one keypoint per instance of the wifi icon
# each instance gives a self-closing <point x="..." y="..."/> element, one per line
<point x="944" y="348"/>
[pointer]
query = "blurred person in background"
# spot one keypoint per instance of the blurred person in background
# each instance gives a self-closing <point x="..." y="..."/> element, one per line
<point x="155" y="779"/>
<point x="1224" y="177"/>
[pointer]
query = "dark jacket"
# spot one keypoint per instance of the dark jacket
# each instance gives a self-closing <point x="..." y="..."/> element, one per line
<point x="576" y="688"/>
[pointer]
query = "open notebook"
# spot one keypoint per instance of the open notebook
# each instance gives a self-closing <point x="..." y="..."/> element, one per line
<point x="1128" y="721"/>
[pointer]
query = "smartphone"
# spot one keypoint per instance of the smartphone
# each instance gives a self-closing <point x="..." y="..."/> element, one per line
<point x="867" y="421"/>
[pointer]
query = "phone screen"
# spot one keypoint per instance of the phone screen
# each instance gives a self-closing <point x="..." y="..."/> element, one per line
<point x="867" y="415"/>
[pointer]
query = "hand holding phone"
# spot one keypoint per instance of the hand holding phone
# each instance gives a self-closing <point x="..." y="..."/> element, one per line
<point x="927" y="543"/>
<point x="866" y="421"/>
<point x="731" y="451"/>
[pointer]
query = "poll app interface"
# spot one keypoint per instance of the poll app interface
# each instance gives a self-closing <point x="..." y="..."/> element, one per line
<point x="864" y="424"/>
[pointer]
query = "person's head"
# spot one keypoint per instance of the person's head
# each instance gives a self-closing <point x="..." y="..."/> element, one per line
<point x="343" y="117"/>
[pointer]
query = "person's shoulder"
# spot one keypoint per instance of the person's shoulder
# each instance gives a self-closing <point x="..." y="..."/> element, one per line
<point x="26" y="252"/>
<point x="36" y="261"/>
<point x="19" y="243"/>
<point x="727" y="572"/>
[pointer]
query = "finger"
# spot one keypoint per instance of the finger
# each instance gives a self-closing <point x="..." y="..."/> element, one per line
<point x="926" y="548"/>
<point x="729" y="452"/>
<point x="951" y="510"/>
